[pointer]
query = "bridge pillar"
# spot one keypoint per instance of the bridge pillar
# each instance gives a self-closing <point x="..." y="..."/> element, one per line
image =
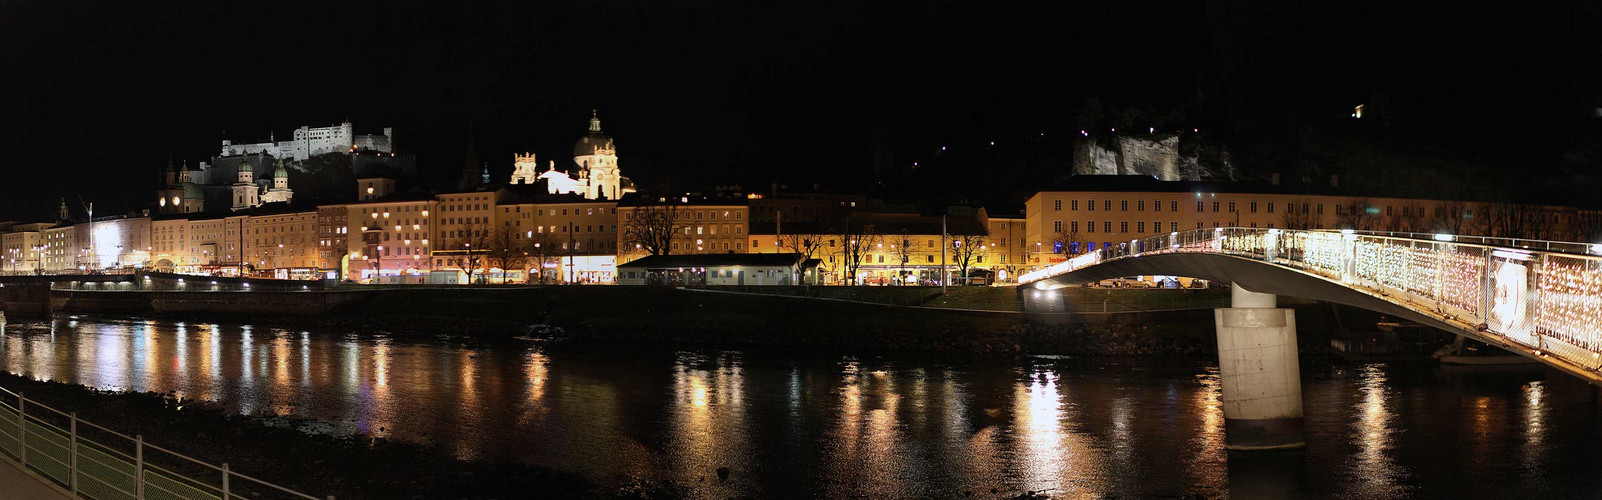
<point x="1260" y="374"/>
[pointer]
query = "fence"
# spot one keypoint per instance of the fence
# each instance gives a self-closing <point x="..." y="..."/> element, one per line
<point x="99" y="463"/>
<point x="1547" y="301"/>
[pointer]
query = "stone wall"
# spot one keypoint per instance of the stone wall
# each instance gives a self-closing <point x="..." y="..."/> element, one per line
<point x="1154" y="155"/>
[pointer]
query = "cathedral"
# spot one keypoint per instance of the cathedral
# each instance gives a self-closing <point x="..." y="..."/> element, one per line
<point x="595" y="157"/>
<point x="185" y="194"/>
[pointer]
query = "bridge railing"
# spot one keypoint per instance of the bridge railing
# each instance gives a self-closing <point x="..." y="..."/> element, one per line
<point x="95" y="462"/>
<point x="1547" y="301"/>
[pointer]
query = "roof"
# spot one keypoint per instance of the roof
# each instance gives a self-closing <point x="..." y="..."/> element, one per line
<point x="594" y="139"/>
<point x="714" y="260"/>
<point x="1150" y="184"/>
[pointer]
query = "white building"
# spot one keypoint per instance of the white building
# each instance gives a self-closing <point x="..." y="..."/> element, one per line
<point x="595" y="156"/>
<point x="279" y="192"/>
<point x="309" y="141"/>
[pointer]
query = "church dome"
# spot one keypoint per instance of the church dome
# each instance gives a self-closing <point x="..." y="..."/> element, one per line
<point x="280" y="172"/>
<point x="594" y="139"/>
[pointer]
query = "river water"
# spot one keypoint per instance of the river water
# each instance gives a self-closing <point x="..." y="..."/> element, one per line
<point x="822" y="425"/>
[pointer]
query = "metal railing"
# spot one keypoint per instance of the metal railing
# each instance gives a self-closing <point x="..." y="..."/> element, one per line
<point x="1548" y="302"/>
<point x="95" y="462"/>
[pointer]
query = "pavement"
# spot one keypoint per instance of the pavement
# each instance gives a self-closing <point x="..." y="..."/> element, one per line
<point x="18" y="485"/>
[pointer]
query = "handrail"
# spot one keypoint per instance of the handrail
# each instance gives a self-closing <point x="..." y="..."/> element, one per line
<point x="1545" y="300"/>
<point x="69" y="442"/>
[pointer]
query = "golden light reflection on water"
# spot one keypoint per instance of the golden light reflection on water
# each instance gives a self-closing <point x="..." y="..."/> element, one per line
<point x="1046" y="457"/>
<point x="867" y="428"/>
<point x="709" y="407"/>
<point x="1373" y="435"/>
<point x="1208" y="466"/>
<point x="1534" y="446"/>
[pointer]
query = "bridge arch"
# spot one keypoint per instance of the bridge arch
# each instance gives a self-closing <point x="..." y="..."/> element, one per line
<point x="1542" y="300"/>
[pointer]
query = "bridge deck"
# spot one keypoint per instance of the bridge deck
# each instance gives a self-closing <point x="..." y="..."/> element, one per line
<point x="1544" y="304"/>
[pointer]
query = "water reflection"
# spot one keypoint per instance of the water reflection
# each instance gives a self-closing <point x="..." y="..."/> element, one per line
<point x="1377" y="473"/>
<point x="794" y="425"/>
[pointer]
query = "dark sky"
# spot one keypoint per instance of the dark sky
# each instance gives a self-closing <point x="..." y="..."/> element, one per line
<point x="94" y="96"/>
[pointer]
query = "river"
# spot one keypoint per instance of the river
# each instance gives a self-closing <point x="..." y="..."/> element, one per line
<point x="791" y="424"/>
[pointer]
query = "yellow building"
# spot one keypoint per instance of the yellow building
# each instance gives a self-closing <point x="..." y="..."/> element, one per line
<point x="1092" y="212"/>
<point x="567" y="237"/>
<point x="700" y="225"/>
<point x="283" y="245"/>
<point x="391" y="236"/>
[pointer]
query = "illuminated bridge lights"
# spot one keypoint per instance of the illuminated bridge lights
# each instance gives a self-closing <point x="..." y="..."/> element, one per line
<point x="1435" y="276"/>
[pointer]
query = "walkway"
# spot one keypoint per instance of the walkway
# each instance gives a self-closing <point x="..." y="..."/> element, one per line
<point x="18" y="485"/>
<point x="1536" y="298"/>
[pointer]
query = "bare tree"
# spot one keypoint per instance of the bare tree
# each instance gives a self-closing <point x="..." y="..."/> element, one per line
<point x="964" y="249"/>
<point x="469" y="241"/>
<point x="543" y="248"/>
<point x="1298" y="216"/>
<point x="652" y="228"/>
<point x="1071" y="242"/>
<point x="1356" y="214"/>
<point x="506" y="248"/>
<point x="1587" y="226"/>
<point x="902" y="250"/>
<point x="1450" y="217"/>
<point x="805" y="244"/>
<point x="856" y="240"/>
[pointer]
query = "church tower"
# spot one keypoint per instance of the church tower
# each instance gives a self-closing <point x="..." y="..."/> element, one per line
<point x="246" y="194"/>
<point x="280" y="192"/>
<point x="596" y="156"/>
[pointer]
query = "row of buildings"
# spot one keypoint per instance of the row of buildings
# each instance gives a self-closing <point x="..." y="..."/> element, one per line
<point x="582" y="222"/>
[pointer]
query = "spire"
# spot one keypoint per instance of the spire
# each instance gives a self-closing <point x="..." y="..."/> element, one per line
<point x="595" y="121"/>
<point x="64" y="215"/>
<point x="469" y="163"/>
<point x="485" y="176"/>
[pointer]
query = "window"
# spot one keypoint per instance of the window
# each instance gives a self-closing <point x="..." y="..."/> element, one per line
<point x="1271" y="207"/>
<point x="1056" y="226"/>
<point x="1338" y="209"/>
<point x="1090" y="205"/>
<point x="1215" y="206"/>
<point x="1073" y="227"/>
<point x="1073" y="205"/>
<point x="1140" y="226"/>
<point x="1320" y="208"/>
<point x="1232" y="207"/>
<point x="929" y="259"/>
<point x="1123" y="205"/>
<point x="1173" y="206"/>
<point x="1106" y="205"/>
<point x="1091" y="225"/>
<point x="1174" y="226"/>
<point x="1123" y="226"/>
<point x="1140" y="206"/>
<point x="1254" y="207"/>
<point x="1199" y="206"/>
<point x="1056" y="205"/>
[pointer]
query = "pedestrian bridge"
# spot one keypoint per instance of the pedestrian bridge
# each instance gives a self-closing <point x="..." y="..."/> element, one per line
<point x="1536" y="298"/>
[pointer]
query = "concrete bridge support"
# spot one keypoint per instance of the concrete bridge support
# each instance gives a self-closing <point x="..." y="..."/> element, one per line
<point x="1260" y="374"/>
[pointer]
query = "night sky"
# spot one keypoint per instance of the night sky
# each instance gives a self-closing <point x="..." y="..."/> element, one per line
<point x="97" y="95"/>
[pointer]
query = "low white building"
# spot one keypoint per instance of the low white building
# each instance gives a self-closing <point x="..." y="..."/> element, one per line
<point x="761" y="269"/>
